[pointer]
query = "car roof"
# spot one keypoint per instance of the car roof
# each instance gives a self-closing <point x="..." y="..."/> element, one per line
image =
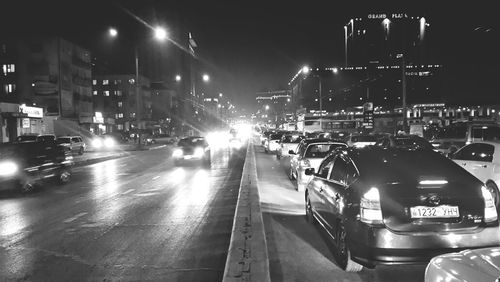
<point x="393" y="165"/>
<point x="320" y="140"/>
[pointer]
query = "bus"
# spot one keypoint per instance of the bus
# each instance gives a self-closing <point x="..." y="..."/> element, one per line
<point x="311" y="123"/>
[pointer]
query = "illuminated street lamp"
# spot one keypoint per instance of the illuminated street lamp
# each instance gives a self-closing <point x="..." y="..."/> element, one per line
<point x="206" y="78"/>
<point x="305" y="69"/>
<point x="160" y="33"/>
<point x="267" y="107"/>
<point x="113" y="32"/>
<point x="178" y="78"/>
<point x="220" y="95"/>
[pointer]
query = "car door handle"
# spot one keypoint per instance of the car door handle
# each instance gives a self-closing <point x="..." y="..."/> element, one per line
<point x="464" y="164"/>
<point x="321" y="189"/>
<point x="481" y="165"/>
<point x="337" y="197"/>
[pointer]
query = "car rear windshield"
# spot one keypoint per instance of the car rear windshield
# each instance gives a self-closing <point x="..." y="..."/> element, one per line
<point x="363" y="139"/>
<point x="275" y="136"/>
<point x="187" y="142"/>
<point x="486" y="133"/>
<point x="26" y="138"/>
<point x="320" y="150"/>
<point x="412" y="143"/>
<point x="291" y="139"/>
<point x="63" y="140"/>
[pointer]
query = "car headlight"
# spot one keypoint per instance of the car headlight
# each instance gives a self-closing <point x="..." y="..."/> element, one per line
<point x="177" y="153"/>
<point x="8" y="168"/>
<point x="199" y="152"/>
<point x="97" y="143"/>
<point x="109" y="143"/>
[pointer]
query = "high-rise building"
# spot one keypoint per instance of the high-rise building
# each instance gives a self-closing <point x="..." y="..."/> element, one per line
<point x="51" y="73"/>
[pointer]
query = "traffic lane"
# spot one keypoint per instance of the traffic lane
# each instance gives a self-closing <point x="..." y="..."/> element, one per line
<point x="299" y="251"/>
<point x="135" y="218"/>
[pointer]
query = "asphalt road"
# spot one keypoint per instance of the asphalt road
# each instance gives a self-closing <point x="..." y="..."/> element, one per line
<point x="128" y="219"/>
<point x="299" y="251"/>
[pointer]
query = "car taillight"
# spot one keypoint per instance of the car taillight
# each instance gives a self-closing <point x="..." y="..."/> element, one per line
<point x="490" y="211"/>
<point x="305" y="163"/>
<point x="370" y="211"/>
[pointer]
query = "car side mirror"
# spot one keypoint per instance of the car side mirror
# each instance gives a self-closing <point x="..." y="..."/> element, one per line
<point x="450" y="155"/>
<point x="309" y="171"/>
<point x="291" y="152"/>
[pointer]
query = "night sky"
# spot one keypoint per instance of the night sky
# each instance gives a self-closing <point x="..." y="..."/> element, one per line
<point x="252" y="46"/>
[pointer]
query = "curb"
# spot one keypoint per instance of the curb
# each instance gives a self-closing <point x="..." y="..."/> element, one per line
<point x="247" y="258"/>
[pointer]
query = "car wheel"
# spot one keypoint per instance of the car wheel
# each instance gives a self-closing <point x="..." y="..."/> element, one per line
<point x="80" y="152"/>
<point x="309" y="213"/>
<point x="343" y="254"/>
<point x="291" y="175"/>
<point x="27" y="185"/>
<point x="492" y="187"/>
<point x="64" y="177"/>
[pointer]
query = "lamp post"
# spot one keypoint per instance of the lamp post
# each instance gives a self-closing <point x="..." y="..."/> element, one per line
<point x="160" y="34"/>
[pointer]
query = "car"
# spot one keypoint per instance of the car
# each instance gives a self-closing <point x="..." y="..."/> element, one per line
<point x="396" y="206"/>
<point x="309" y="153"/>
<point x="456" y="135"/>
<point x="35" y="138"/>
<point x="165" y="138"/>
<point x="74" y="143"/>
<point x="288" y="142"/>
<point x="468" y="265"/>
<point x="24" y="166"/>
<point x="193" y="148"/>
<point x="410" y="142"/>
<point x="265" y="136"/>
<point x="360" y="140"/>
<point x="105" y="142"/>
<point x="272" y="143"/>
<point x="482" y="159"/>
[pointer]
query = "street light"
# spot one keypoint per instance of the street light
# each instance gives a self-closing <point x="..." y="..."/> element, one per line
<point x="206" y="78"/>
<point x="178" y="78"/>
<point x="305" y="69"/>
<point x="220" y="95"/>
<point x="113" y="32"/>
<point x="267" y="107"/>
<point x="160" y="33"/>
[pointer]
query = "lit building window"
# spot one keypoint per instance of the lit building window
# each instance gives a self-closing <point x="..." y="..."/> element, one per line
<point x="9" y="88"/>
<point x="120" y="104"/>
<point x="118" y="93"/>
<point x="117" y="81"/>
<point x="132" y="115"/>
<point x="105" y="82"/>
<point x="8" y="68"/>
<point x="94" y="82"/>
<point x="119" y="126"/>
<point x="106" y="93"/>
<point x="94" y="92"/>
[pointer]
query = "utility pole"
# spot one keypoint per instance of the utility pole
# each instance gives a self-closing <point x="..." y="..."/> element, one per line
<point x="138" y="97"/>
<point x="403" y="85"/>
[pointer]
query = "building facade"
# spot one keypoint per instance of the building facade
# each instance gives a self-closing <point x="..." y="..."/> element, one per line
<point x="50" y="73"/>
<point x="117" y="105"/>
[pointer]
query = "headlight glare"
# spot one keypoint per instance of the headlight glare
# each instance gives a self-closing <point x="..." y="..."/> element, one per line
<point x="8" y="168"/>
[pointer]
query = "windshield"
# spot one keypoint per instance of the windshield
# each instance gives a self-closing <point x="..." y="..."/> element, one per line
<point x="320" y="150"/>
<point x="292" y="139"/>
<point x="363" y="139"/>
<point x="191" y="142"/>
<point x="412" y="143"/>
<point x="63" y="140"/>
<point x="26" y="138"/>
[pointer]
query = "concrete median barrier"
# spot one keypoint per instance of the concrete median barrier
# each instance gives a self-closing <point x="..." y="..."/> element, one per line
<point x="247" y="258"/>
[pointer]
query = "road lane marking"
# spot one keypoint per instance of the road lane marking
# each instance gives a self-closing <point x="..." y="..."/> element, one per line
<point x="128" y="191"/>
<point x="156" y="177"/>
<point x="71" y="219"/>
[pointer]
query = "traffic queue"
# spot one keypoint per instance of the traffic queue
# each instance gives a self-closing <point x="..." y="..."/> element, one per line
<point x="388" y="199"/>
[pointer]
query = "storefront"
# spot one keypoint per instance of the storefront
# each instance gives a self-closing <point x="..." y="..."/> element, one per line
<point x="16" y="120"/>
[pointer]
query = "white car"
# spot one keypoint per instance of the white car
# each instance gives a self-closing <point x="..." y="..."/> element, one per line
<point x="310" y="153"/>
<point x="482" y="159"/>
<point x="360" y="140"/>
<point x="289" y="142"/>
<point x="468" y="265"/>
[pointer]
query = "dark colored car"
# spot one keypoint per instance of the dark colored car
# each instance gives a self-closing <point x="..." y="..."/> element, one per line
<point x="25" y="165"/>
<point x="409" y="142"/>
<point x="397" y="206"/>
<point x="36" y="138"/>
<point x="192" y="149"/>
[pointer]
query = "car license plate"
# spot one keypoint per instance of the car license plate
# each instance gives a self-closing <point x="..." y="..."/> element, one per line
<point x="434" y="212"/>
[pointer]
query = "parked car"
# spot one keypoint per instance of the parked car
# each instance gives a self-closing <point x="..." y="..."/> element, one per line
<point x="309" y="154"/>
<point x="272" y="143"/>
<point x="360" y="140"/>
<point x="192" y="149"/>
<point x="25" y="165"/>
<point x="165" y="138"/>
<point x="468" y="265"/>
<point x="397" y="206"/>
<point x="265" y="136"/>
<point x="409" y="142"/>
<point x="74" y="143"/>
<point x="288" y="142"/>
<point x="456" y="135"/>
<point x="36" y="138"/>
<point x="482" y="159"/>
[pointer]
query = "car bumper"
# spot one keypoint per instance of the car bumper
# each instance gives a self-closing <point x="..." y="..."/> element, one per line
<point x="379" y="246"/>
